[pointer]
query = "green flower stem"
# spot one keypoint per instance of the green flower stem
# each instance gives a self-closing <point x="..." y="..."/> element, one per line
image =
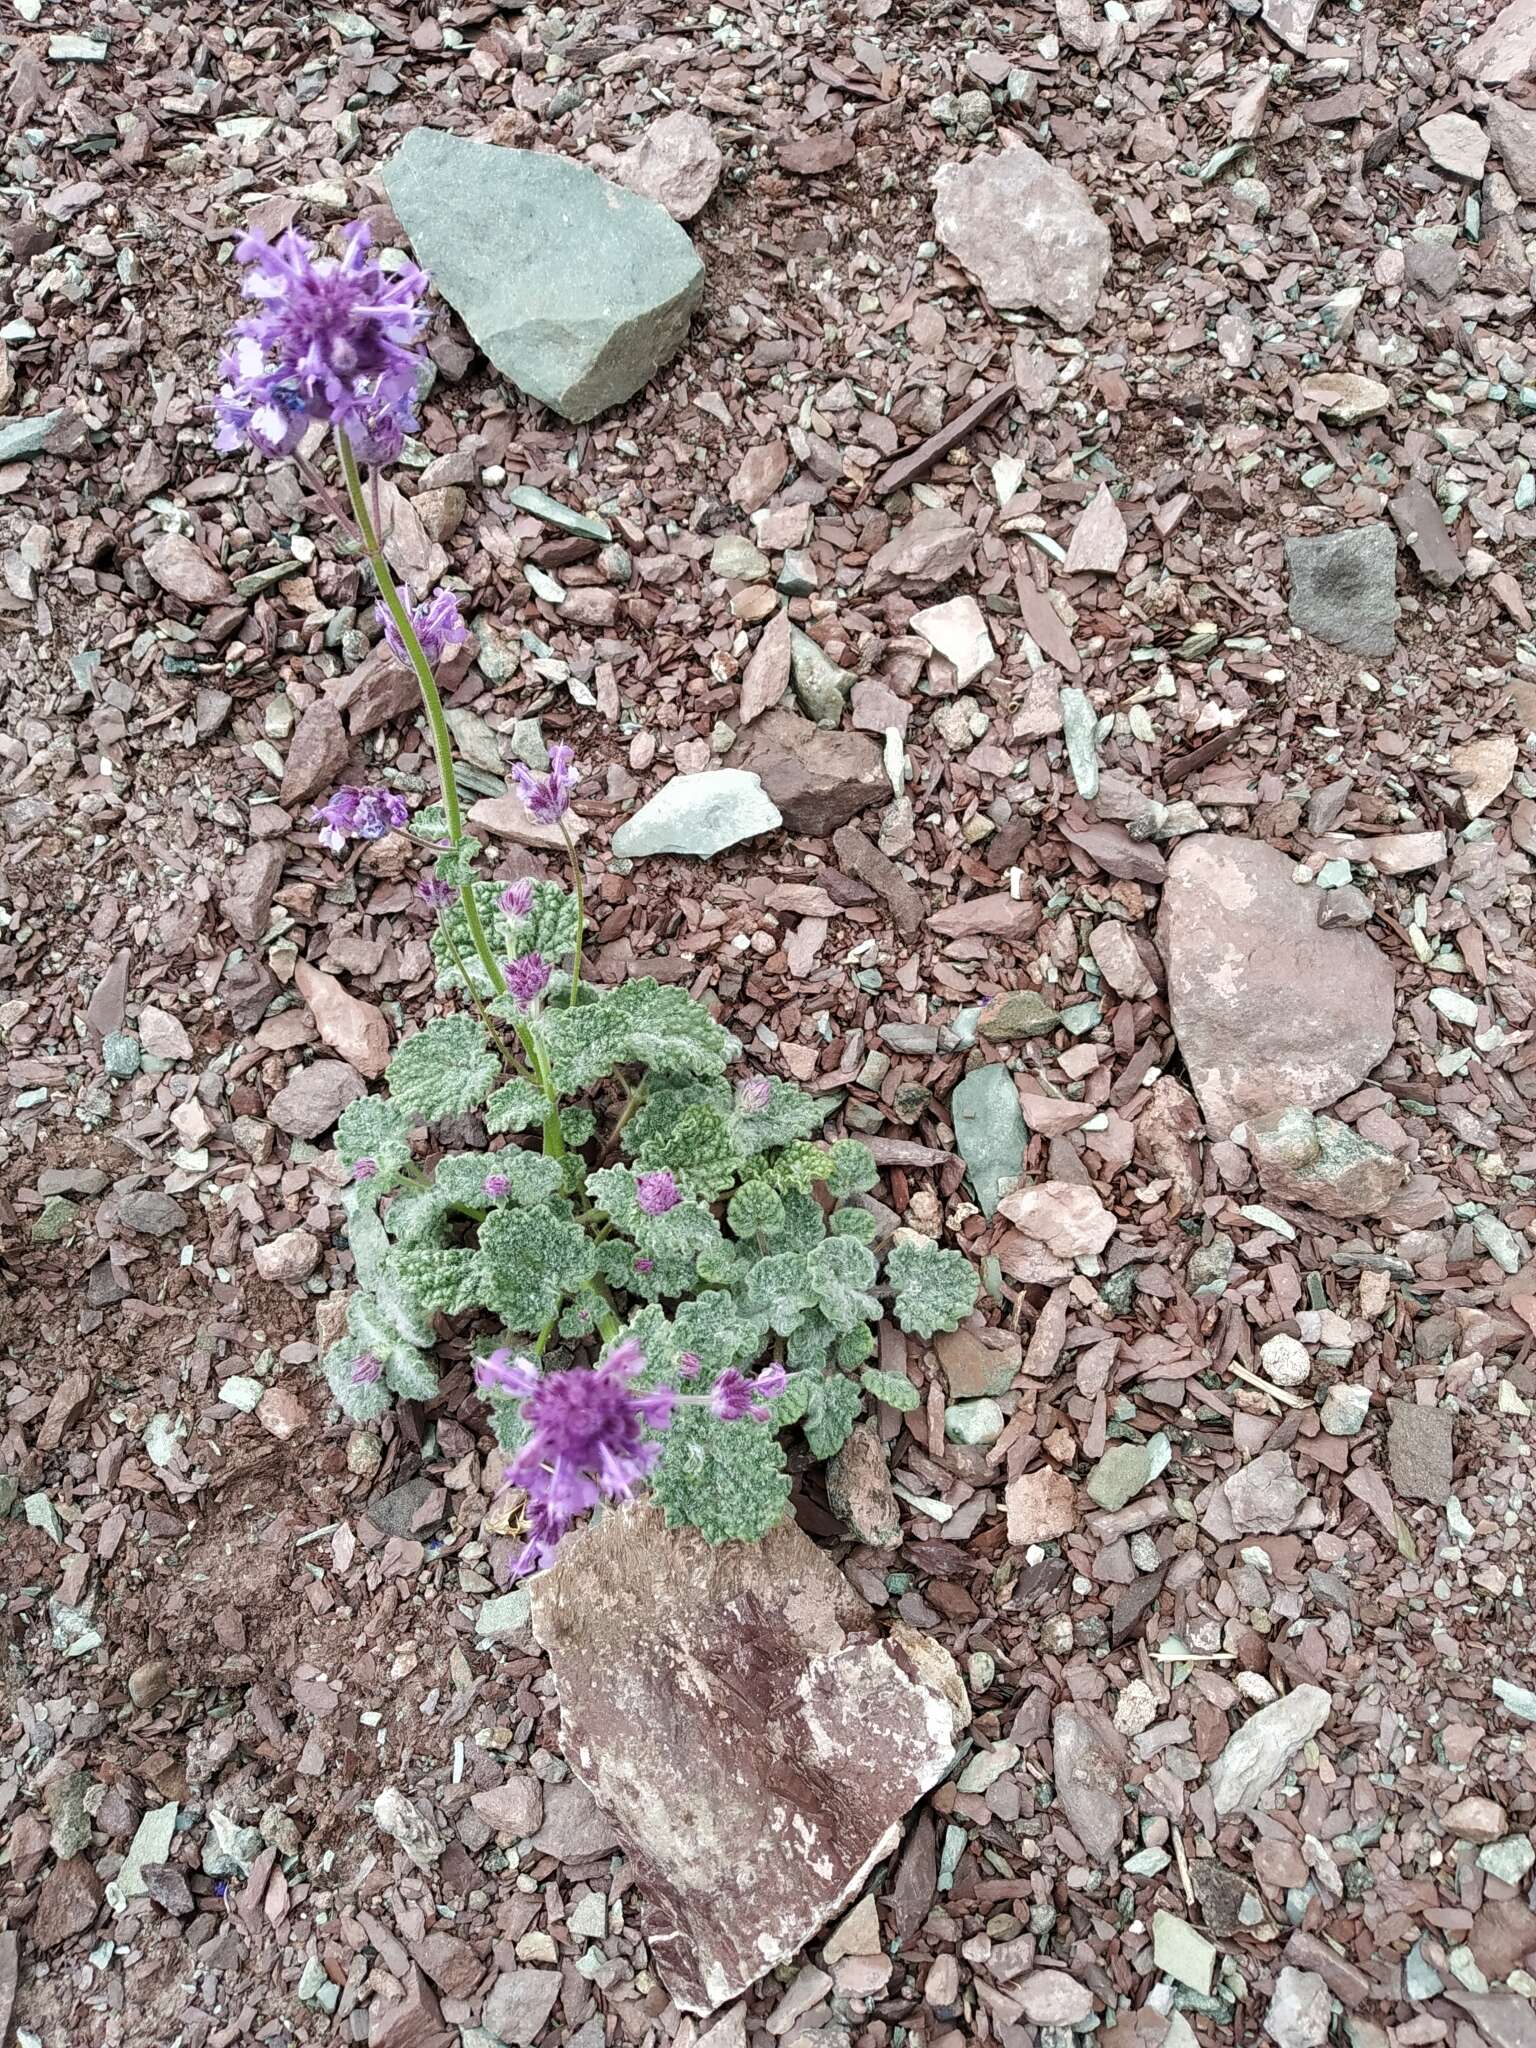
<point x="442" y="743"/>
<point x="485" y="1016"/>
<point x="581" y="908"/>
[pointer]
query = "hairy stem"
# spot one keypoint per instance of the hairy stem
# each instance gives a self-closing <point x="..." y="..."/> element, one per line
<point x="581" y="908"/>
<point x="442" y="743"/>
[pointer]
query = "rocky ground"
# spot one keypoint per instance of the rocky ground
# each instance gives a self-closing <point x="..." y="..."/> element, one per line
<point x="1154" y="893"/>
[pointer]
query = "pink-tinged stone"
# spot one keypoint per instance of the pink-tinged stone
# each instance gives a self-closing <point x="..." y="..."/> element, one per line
<point x="1322" y="1163"/>
<point x="1291" y="21"/>
<point x="1088" y="1766"/>
<point x="958" y="631"/>
<point x="1398" y="853"/>
<point x="1051" y="1998"/>
<point x="1270" y="1011"/>
<point x="765" y="678"/>
<point x="931" y="548"/>
<point x="317" y="755"/>
<point x="1042" y="1505"/>
<point x="1482" y="770"/>
<point x="281" y="1413"/>
<point x="357" y="1030"/>
<point x="1506" y="51"/>
<point x="1512" y="131"/>
<point x="1457" y="145"/>
<point x="676" y="162"/>
<point x="1099" y="539"/>
<point x="1063" y="1215"/>
<point x="179" y="566"/>
<point x="1026" y="231"/>
<point x="756" y="1742"/>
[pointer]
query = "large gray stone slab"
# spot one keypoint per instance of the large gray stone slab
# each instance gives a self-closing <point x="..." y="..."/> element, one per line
<point x="1344" y="588"/>
<point x="989" y="1132"/>
<point x="577" y="289"/>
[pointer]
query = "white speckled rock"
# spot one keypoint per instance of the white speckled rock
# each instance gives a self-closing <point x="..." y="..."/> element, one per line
<point x="699" y="814"/>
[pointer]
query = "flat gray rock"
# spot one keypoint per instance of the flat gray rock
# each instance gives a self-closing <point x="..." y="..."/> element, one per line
<point x="577" y="289"/>
<point x="1026" y="231"/>
<point x="22" y="437"/>
<point x="1344" y="588"/>
<point x="699" y="814"/>
<point x="756" y="1736"/>
<point x="989" y="1132"/>
<point x="1257" y="1752"/>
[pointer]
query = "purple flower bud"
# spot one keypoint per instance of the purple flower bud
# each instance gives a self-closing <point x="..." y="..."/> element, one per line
<point x="360" y="814"/>
<point x="689" y="1364"/>
<point x="527" y="979"/>
<point x="645" y="1265"/>
<point x="436" y="895"/>
<point x="517" y="898"/>
<point x="657" y="1192"/>
<point x="503" y="1373"/>
<point x="496" y="1185"/>
<point x="435" y="620"/>
<point x="753" y="1095"/>
<point x="365" y="1370"/>
<point x="734" y="1396"/>
<point x="365" y="1169"/>
<point x="548" y="797"/>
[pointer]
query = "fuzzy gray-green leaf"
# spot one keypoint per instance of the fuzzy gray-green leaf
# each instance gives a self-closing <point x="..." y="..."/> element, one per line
<point x="931" y="1289"/>
<point x="725" y="1479"/>
<point x="531" y="1260"/>
<point x="640" y="1023"/>
<point x="444" y="1069"/>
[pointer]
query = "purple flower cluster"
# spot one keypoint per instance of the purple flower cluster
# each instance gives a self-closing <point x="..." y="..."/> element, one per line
<point x="331" y="340"/>
<point x="657" y="1192"/>
<point x="435" y="621"/>
<point x="496" y="1185"/>
<point x="753" y="1095"/>
<point x="548" y="797"/>
<point x="527" y="979"/>
<point x="434" y="894"/>
<point x="360" y="814"/>
<point x="589" y="1438"/>
<point x="366" y="1370"/>
<point x="517" y="898"/>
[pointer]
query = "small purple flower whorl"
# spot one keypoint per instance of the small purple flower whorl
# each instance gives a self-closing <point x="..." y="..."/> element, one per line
<point x="527" y="979"/>
<point x="436" y="622"/>
<point x="434" y="894"/>
<point x="517" y="898"/>
<point x="360" y="814"/>
<point x="753" y="1095"/>
<point x="548" y="797"/>
<point x="734" y="1397"/>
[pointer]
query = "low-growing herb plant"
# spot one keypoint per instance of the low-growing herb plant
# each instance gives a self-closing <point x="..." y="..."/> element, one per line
<point x="670" y="1268"/>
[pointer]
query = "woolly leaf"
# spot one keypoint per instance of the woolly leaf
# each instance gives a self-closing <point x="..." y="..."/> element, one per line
<point x="718" y="1331"/>
<point x="725" y="1479"/>
<point x="790" y="1406"/>
<point x="444" y="1283"/>
<point x="360" y="1401"/>
<point x="724" y="1265"/>
<point x="531" y="1259"/>
<point x="612" y="1189"/>
<point x="840" y="1271"/>
<point x="419" y="1217"/>
<point x="756" y="1210"/>
<point x="893" y="1388"/>
<point x="577" y="1123"/>
<point x="779" y="1290"/>
<point x="518" y="1106"/>
<point x="854" y="1223"/>
<point x="931" y="1289"/>
<point x="696" y="1146"/>
<point x="457" y="864"/>
<point x="804" y="1225"/>
<point x="413" y="1378"/>
<point x="808" y="1348"/>
<point x="788" y="1115"/>
<point x="452" y="944"/>
<point x="507" y="1422"/>
<point x="367" y="1239"/>
<point x="444" y="1069"/>
<point x="373" y="1128"/>
<point x="373" y="1326"/>
<point x="534" y="1178"/>
<point x="854" y="1346"/>
<point x="579" y="1318"/>
<point x="429" y="824"/>
<point x="640" y="1023"/>
<point x="831" y="1411"/>
<point x="665" y="1099"/>
<point x="851" y="1169"/>
<point x="549" y="928"/>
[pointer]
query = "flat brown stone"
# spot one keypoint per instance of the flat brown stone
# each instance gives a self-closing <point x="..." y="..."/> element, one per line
<point x="754" y="1737"/>
<point x="1270" y="1011"/>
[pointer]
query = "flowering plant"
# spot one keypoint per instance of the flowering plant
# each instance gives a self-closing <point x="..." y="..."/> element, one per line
<point x="633" y="1205"/>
